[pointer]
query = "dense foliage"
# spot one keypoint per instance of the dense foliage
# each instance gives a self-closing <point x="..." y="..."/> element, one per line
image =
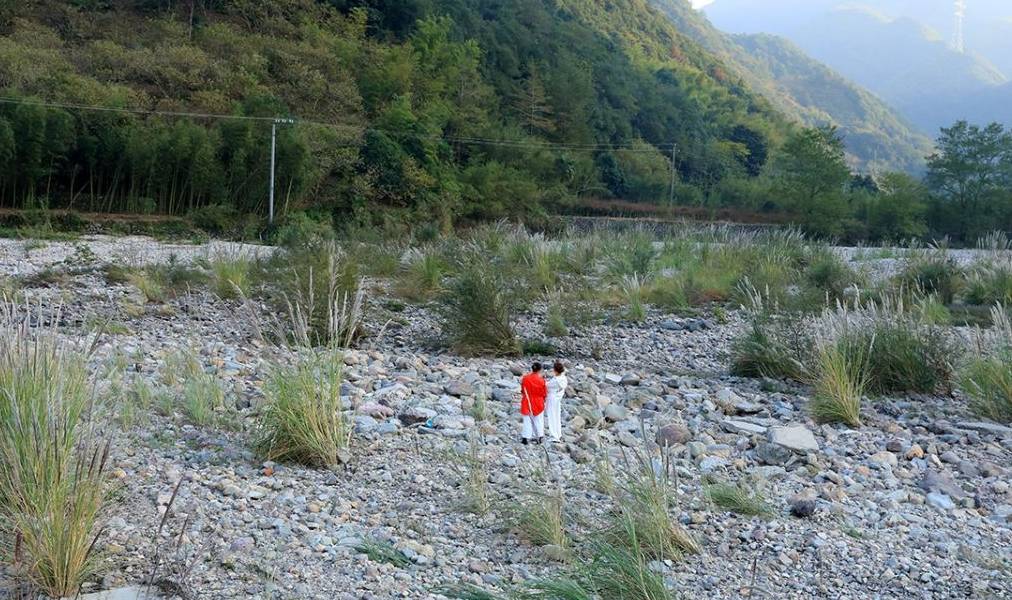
<point x="432" y="112"/>
<point x="400" y="100"/>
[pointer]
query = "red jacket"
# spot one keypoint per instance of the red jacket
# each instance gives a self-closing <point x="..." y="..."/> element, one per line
<point x="533" y="392"/>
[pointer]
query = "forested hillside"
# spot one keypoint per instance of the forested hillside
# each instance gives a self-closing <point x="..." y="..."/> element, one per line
<point x="441" y="110"/>
<point x="876" y="137"/>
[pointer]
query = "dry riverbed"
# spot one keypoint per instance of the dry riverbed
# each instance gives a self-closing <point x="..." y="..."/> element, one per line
<point x="917" y="503"/>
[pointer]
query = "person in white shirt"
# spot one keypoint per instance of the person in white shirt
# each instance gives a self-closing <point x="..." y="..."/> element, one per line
<point x="553" y="406"/>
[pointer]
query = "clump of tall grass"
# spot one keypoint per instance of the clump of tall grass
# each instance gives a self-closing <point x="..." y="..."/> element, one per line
<point x="738" y="498"/>
<point x="421" y="275"/>
<point x="987" y="377"/>
<point x="933" y="273"/>
<point x="478" y="497"/>
<point x="302" y="419"/>
<point x="541" y="519"/>
<point x="555" y="321"/>
<point x="990" y="284"/>
<point x="776" y="345"/>
<point x="231" y="275"/>
<point x="317" y="303"/>
<point x="203" y="397"/>
<point x="537" y="261"/>
<point x="904" y="353"/>
<point x="630" y="254"/>
<point x="643" y="520"/>
<point x="477" y="312"/>
<point x="52" y="484"/>
<point x="839" y="378"/>
<point x="633" y="292"/>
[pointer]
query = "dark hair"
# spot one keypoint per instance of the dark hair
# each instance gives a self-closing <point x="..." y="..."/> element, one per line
<point x="536" y="367"/>
<point x="559" y="367"/>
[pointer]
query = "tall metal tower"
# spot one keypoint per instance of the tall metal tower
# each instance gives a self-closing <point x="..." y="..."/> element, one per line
<point x="957" y="34"/>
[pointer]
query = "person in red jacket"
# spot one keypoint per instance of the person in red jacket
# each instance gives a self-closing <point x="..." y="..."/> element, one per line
<point x="533" y="392"/>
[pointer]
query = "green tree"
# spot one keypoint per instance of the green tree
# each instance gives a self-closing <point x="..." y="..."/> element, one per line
<point x="971" y="163"/>
<point x="897" y="211"/>
<point x="810" y="175"/>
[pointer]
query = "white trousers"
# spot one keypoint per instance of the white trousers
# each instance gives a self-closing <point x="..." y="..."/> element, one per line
<point x="553" y="410"/>
<point x="533" y="427"/>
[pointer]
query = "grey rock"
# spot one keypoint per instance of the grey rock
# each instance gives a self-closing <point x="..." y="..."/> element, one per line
<point x="772" y="454"/>
<point x="736" y="426"/>
<point x="630" y="379"/>
<point x="125" y="593"/>
<point x="615" y="413"/>
<point x="794" y="437"/>
<point x="933" y="481"/>
<point x="802" y="506"/>
<point x="458" y="389"/>
<point x="940" y="501"/>
<point x="994" y="429"/>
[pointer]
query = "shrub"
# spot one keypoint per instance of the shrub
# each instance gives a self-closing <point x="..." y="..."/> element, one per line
<point x="217" y="219"/>
<point x="52" y="485"/>
<point x="302" y="419"/>
<point x="477" y="313"/>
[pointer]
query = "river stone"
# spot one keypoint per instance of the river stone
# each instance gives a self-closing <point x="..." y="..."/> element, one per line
<point x="794" y="437"/>
<point x="672" y="434"/>
<point x="736" y="426"/>
<point x="615" y="413"/>
<point x="125" y="593"/>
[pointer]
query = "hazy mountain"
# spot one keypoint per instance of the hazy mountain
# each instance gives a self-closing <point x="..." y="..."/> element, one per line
<point x="899" y="49"/>
<point x="877" y="137"/>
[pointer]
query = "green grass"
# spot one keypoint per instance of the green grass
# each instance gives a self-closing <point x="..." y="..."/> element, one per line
<point x="738" y="499"/>
<point x="990" y="285"/>
<point x="231" y="276"/>
<point x="634" y="298"/>
<point x="839" y="379"/>
<point x="643" y="520"/>
<point x="52" y="485"/>
<point x="379" y="551"/>
<point x="302" y="419"/>
<point x="477" y="313"/>
<point x="988" y="383"/>
<point x="541" y="519"/>
<point x="421" y="278"/>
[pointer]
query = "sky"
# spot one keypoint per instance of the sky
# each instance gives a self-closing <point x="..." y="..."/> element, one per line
<point x="700" y="3"/>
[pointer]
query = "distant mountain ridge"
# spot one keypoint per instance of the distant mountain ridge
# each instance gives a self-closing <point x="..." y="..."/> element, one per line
<point x="898" y="49"/>
<point x="877" y="137"/>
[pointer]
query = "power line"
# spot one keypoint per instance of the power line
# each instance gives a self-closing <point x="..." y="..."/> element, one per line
<point x="518" y="144"/>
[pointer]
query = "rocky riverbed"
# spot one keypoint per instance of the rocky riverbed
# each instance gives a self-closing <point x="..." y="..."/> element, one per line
<point x="917" y="503"/>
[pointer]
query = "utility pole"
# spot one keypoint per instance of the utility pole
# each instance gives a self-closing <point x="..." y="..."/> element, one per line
<point x="274" y="144"/>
